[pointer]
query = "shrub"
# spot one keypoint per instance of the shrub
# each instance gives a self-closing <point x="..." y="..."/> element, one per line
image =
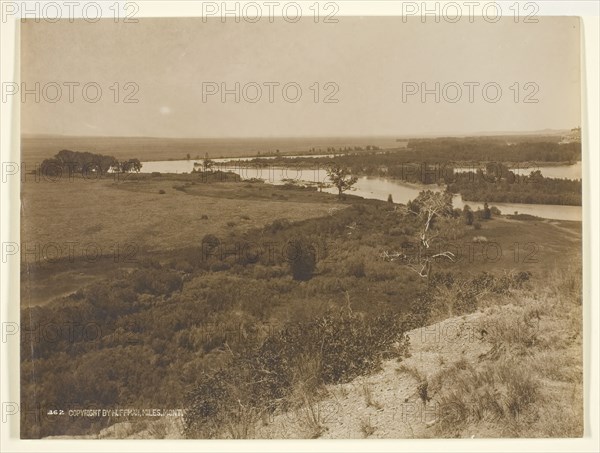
<point x="348" y="344"/>
<point x="356" y="268"/>
<point x="500" y="393"/>
<point x="210" y="242"/>
<point x="487" y="213"/>
<point x="468" y="214"/>
<point x="278" y="225"/>
<point x="162" y="192"/>
<point x="477" y="225"/>
<point x="219" y="266"/>
<point x="450" y="296"/>
<point x="302" y="258"/>
<point x="465" y="301"/>
<point x="333" y="348"/>
<point x="156" y="281"/>
<point x="262" y="272"/>
<point x="182" y="265"/>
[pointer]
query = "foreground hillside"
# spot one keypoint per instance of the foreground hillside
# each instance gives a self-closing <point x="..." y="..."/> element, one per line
<point x="513" y="368"/>
<point x="272" y="319"/>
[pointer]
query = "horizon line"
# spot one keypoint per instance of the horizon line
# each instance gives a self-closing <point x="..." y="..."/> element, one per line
<point x="400" y="136"/>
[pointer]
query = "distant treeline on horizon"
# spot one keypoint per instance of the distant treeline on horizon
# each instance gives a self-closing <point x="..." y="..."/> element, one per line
<point x="504" y="148"/>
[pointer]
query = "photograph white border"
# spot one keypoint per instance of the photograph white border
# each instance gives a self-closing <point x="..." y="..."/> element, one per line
<point x="9" y="271"/>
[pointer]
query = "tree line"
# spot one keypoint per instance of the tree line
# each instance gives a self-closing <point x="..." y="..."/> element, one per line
<point x="503" y="185"/>
<point x="483" y="149"/>
<point x="71" y="162"/>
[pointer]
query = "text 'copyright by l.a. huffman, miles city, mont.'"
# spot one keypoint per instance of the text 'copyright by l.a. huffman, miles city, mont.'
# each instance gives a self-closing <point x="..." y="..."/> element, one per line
<point x="134" y="412"/>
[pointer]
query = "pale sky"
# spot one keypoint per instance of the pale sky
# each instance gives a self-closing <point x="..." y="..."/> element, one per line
<point x="367" y="58"/>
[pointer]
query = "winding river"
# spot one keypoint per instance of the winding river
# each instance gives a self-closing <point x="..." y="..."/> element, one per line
<point x="379" y="187"/>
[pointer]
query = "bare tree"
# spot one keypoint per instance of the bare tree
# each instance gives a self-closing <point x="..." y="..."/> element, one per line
<point x="427" y="207"/>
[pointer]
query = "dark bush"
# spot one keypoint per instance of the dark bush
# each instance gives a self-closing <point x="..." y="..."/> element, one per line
<point x="336" y="347"/>
<point x="356" y="268"/>
<point x="156" y="281"/>
<point x="210" y="242"/>
<point x="301" y="255"/>
<point x="278" y="225"/>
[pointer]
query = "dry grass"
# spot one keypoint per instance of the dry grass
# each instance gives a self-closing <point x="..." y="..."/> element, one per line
<point x="499" y="393"/>
<point x="312" y="418"/>
<point x="133" y="211"/>
<point x="369" y="398"/>
<point x="366" y="427"/>
<point x="529" y="382"/>
<point x="131" y="219"/>
<point x="242" y="425"/>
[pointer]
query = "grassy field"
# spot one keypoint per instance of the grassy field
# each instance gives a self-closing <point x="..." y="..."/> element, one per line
<point x="123" y="222"/>
<point x="514" y="244"/>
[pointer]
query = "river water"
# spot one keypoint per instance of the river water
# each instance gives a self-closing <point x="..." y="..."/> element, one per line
<point x="378" y="187"/>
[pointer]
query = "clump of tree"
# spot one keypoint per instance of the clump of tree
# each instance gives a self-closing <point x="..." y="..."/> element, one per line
<point x="71" y="162"/>
<point x="67" y="162"/>
<point x="341" y="178"/>
<point x="477" y="149"/>
<point x="474" y="218"/>
<point x="207" y="164"/>
<point x="497" y="183"/>
<point x="127" y="166"/>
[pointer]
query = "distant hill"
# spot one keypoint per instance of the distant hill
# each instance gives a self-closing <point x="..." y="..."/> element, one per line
<point x="542" y="133"/>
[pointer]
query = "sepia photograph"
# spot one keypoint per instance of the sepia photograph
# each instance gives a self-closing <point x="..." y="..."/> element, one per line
<point x="277" y="221"/>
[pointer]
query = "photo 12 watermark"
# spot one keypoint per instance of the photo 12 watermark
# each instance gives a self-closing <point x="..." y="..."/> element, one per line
<point x="270" y="92"/>
<point x="471" y="11"/>
<point x="50" y="12"/>
<point x="70" y="252"/>
<point x="469" y="92"/>
<point x="255" y="12"/>
<point x="71" y="92"/>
